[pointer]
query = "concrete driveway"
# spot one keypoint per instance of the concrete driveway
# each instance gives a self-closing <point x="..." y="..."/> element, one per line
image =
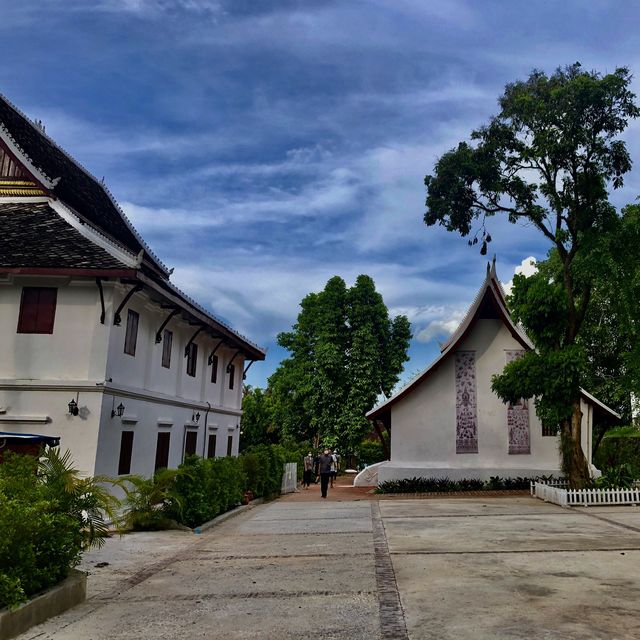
<point x="449" y="568"/>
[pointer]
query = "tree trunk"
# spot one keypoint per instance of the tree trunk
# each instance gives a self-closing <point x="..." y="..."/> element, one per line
<point x="385" y="444"/>
<point x="574" y="462"/>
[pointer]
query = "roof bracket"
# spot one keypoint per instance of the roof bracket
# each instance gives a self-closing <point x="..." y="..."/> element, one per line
<point x="213" y="353"/>
<point x="103" y="313"/>
<point x="173" y="313"/>
<point x="193" y="337"/>
<point x="244" y="373"/>
<point x="116" y="316"/>
<point x="232" y="359"/>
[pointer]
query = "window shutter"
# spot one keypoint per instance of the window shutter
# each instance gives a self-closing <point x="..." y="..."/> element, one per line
<point x="37" y="310"/>
<point x="162" y="450"/>
<point x="126" y="449"/>
<point x="192" y="359"/>
<point x="214" y="370"/>
<point x="190" y="444"/>
<point x="167" y="343"/>
<point x="211" y="447"/>
<point x="232" y="375"/>
<point x="229" y="445"/>
<point x="131" y="336"/>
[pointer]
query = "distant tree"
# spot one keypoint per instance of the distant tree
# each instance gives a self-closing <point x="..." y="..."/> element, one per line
<point x="345" y="351"/>
<point x="257" y="425"/>
<point x="548" y="159"/>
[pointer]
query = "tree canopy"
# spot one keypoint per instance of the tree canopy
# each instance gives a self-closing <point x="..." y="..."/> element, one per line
<point x="345" y="351"/>
<point x="548" y="159"/>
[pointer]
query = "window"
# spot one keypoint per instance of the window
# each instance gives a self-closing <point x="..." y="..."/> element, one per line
<point x="190" y="443"/>
<point x="167" y="342"/>
<point x="131" y="336"/>
<point x="192" y="359"/>
<point x="232" y="375"/>
<point x="37" y="310"/>
<point x="126" y="448"/>
<point x="211" y="446"/>
<point x="214" y="369"/>
<point x="229" y="445"/>
<point x="162" y="450"/>
<point x="549" y="431"/>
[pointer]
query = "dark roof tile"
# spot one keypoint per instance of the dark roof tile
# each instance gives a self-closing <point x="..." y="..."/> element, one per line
<point x="33" y="235"/>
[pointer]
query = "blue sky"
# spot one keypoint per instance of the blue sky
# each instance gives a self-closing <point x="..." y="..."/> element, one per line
<point x="262" y="147"/>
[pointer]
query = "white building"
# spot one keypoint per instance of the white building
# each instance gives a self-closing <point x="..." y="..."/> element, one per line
<point x="447" y="422"/>
<point x="97" y="345"/>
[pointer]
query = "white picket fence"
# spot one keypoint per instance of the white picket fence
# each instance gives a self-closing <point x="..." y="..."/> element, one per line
<point x="584" y="497"/>
<point x="587" y="497"/>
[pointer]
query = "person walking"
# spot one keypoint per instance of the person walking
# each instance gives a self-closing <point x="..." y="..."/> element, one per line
<point x="308" y="470"/>
<point x="325" y="472"/>
<point x="334" y="467"/>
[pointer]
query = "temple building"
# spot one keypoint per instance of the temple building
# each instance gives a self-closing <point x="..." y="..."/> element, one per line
<point x="447" y="422"/>
<point x="98" y="347"/>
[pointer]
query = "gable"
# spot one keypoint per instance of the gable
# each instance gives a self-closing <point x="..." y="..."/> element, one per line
<point x="69" y="181"/>
<point x="15" y="180"/>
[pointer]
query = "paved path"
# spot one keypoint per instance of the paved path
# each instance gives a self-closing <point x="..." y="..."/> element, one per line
<point x="352" y="567"/>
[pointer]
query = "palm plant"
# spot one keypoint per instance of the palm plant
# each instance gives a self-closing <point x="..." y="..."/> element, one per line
<point x="86" y="499"/>
<point x="150" y="503"/>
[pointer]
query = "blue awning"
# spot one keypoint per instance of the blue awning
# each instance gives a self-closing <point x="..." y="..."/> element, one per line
<point x="28" y="438"/>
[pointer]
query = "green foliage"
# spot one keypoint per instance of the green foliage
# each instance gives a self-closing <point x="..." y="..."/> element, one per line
<point x="258" y="425"/>
<point x="151" y="503"/>
<point x="620" y="448"/>
<point x="370" y="452"/>
<point x="548" y="158"/>
<point x="48" y="516"/>
<point x="445" y="485"/>
<point x="619" y="477"/>
<point x="345" y="351"/>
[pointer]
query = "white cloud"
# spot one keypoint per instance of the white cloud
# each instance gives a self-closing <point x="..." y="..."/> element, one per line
<point x="526" y="268"/>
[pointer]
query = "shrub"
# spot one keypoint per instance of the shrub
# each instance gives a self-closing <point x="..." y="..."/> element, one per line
<point x="370" y="452"/>
<point x="48" y="516"/>
<point x="442" y="485"/>
<point x="153" y="503"/>
<point x="620" y="477"/>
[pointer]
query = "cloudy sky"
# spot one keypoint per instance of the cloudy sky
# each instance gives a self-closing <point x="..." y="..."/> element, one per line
<point x="263" y="146"/>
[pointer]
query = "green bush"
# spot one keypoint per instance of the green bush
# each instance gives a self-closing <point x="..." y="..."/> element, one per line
<point x="152" y="504"/>
<point x="370" y="452"/>
<point x="200" y="489"/>
<point x="620" y="477"/>
<point x="48" y="516"/>
<point x="619" y="447"/>
<point x="443" y="485"/>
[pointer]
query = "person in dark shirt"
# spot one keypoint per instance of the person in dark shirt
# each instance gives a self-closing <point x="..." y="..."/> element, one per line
<point x="324" y="465"/>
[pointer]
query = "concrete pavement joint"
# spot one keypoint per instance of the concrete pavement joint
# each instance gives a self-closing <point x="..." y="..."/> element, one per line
<point x="195" y="597"/>
<point x="392" y="622"/>
<point x="612" y="522"/>
<point x="507" y="551"/>
<point x="482" y="515"/>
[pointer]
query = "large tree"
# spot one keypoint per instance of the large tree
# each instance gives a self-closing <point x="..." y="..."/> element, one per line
<point x="548" y="159"/>
<point x="345" y="351"/>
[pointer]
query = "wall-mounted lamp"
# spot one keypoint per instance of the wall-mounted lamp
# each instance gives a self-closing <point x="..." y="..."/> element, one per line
<point x="118" y="411"/>
<point x="195" y="417"/>
<point x="73" y="408"/>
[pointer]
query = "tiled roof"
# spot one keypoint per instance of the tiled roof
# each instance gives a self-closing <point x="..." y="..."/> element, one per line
<point x="76" y="187"/>
<point x="33" y="235"/>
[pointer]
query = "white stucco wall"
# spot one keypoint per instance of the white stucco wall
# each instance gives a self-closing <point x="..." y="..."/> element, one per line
<point x="85" y="360"/>
<point x="423" y="423"/>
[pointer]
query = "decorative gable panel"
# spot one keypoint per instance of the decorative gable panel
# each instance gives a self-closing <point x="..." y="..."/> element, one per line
<point x="15" y="180"/>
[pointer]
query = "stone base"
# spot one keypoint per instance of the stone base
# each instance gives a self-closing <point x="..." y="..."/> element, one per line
<point x="67" y="594"/>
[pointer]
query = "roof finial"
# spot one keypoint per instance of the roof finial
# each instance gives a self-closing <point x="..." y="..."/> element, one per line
<point x="493" y="266"/>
